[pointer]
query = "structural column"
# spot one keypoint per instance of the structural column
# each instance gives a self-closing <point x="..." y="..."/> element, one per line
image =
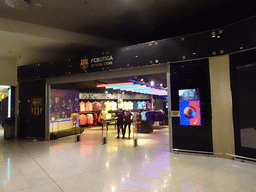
<point x="168" y="79"/>
<point x="47" y="110"/>
<point x="221" y="101"/>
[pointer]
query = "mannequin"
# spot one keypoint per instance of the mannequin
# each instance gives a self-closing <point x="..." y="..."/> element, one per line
<point x="127" y="121"/>
<point x="120" y="116"/>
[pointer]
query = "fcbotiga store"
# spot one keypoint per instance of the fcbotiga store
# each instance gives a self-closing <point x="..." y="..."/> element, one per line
<point x="200" y="87"/>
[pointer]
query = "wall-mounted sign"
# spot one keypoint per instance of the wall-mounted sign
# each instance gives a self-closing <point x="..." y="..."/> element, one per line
<point x="36" y="106"/>
<point x="102" y="61"/>
<point x="84" y="64"/>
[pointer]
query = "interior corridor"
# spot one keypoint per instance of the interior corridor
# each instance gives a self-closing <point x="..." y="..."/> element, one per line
<point x="66" y="165"/>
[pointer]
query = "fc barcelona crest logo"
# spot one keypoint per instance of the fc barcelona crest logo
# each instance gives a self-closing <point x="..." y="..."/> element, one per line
<point x="84" y="64"/>
<point x="36" y="106"/>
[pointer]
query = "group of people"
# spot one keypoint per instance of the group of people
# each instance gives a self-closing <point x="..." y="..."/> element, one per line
<point x="124" y="119"/>
<point x="62" y="109"/>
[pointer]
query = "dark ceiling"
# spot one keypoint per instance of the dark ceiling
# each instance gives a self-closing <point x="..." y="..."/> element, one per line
<point x="133" y="21"/>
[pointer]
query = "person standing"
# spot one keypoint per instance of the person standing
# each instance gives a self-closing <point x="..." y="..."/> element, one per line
<point x="127" y="121"/>
<point x="56" y="109"/>
<point x="120" y="119"/>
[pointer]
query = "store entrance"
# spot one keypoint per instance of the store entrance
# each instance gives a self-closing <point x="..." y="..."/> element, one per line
<point x="109" y="110"/>
<point x="4" y="108"/>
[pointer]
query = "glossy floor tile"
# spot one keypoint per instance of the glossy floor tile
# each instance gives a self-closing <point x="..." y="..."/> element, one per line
<point x="90" y="165"/>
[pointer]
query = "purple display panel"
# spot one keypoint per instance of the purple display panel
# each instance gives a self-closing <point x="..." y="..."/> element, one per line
<point x="189" y="104"/>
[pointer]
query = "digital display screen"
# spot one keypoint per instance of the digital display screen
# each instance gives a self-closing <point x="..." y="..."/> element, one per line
<point x="189" y="104"/>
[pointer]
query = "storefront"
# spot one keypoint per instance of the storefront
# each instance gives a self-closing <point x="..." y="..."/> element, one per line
<point x="7" y="117"/>
<point x="201" y="82"/>
<point x="91" y="102"/>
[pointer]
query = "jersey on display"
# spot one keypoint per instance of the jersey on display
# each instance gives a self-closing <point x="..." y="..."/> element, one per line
<point x="95" y="106"/>
<point x="144" y="105"/>
<point x="88" y="106"/>
<point x="108" y="106"/>
<point x="139" y="105"/>
<point x="135" y="105"/>
<point x="104" y="114"/>
<point x="125" y="105"/>
<point x="114" y="105"/>
<point x="100" y="118"/>
<point x="89" y="119"/>
<point x="143" y="115"/>
<point x="101" y="106"/>
<point x="83" y="119"/>
<point x="148" y="105"/>
<point x="130" y="105"/>
<point x="82" y="106"/>
<point x="95" y="118"/>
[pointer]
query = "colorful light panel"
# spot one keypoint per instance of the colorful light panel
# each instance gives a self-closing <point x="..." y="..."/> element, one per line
<point x="114" y="84"/>
<point x="136" y="88"/>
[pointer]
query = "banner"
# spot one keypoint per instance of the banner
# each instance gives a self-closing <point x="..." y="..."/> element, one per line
<point x="64" y="106"/>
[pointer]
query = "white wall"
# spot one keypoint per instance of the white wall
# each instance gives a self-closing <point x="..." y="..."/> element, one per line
<point x="8" y="71"/>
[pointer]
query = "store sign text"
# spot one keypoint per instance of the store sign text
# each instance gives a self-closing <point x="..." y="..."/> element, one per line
<point x="102" y="61"/>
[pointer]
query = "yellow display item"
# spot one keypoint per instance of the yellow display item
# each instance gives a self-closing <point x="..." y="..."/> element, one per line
<point x="104" y="113"/>
<point x="108" y="106"/>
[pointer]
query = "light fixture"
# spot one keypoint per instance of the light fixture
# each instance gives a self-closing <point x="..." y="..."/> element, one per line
<point x="152" y="83"/>
<point x="121" y="86"/>
<point x="4" y="87"/>
<point x="114" y="84"/>
<point x="137" y="87"/>
<point x="17" y="4"/>
<point x="9" y="103"/>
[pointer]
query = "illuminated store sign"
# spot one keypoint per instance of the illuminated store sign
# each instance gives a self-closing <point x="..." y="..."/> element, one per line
<point x="102" y="61"/>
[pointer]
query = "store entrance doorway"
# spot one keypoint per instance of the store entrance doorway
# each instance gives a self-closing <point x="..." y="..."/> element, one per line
<point x="4" y="107"/>
<point x="118" y="110"/>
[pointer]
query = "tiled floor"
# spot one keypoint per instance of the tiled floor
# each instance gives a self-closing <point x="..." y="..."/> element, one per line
<point x="66" y="165"/>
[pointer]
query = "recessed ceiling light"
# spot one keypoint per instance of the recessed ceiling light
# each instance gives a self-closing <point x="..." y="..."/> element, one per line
<point x="38" y="5"/>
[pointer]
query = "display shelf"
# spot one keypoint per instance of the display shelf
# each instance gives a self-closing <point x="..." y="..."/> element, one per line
<point x="66" y="132"/>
